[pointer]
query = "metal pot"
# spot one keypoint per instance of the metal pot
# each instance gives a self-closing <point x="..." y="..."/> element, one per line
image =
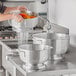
<point x="43" y="38"/>
<point x="34" y="54"/>
<point x="59" y="42"/>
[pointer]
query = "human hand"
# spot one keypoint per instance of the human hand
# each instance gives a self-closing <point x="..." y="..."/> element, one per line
<point x="21" y="8"/>
<point x="18" y="18"/>
<point x="9" y="9"/>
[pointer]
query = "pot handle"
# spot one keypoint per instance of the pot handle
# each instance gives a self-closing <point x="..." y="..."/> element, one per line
<point x="21" y="51"/>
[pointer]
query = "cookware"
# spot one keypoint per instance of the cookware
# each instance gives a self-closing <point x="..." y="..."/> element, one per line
<point x="59" y="42"/>
<point x="34" y="55"/>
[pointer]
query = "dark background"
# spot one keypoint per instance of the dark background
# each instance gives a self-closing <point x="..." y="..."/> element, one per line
<point x="2" y="0"/>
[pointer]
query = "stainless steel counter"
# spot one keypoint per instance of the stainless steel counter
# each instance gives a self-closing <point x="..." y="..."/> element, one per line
<point x="68" y="66"/>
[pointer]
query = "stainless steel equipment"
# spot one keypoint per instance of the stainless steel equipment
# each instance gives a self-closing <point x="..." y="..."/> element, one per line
<point x="26" y="33"/>
<point x="6" y="33"/>
<point x="9" y="37"/>
<point x="59" y="42"/>
<point x="34" y="56"/>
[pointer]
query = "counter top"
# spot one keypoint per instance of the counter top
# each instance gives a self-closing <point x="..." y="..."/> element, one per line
<point x="67" y="66"/>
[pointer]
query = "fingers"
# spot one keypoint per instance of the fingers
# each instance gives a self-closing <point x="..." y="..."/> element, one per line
<point x="21" y="8"/>
<point x="18" y="18"/>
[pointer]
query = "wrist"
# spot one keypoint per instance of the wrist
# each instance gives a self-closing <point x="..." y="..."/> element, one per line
<point x="12" y="16"/>
<point x="17" y="8"/>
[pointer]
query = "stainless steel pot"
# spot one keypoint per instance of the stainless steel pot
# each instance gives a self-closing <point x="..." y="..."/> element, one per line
<point x="34" y="54"/>
<point x="59" y="42"/>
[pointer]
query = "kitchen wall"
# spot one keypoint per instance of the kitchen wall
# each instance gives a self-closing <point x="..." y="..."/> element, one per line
<point x="63" y="12"/>
<point x="65" y="15"/>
